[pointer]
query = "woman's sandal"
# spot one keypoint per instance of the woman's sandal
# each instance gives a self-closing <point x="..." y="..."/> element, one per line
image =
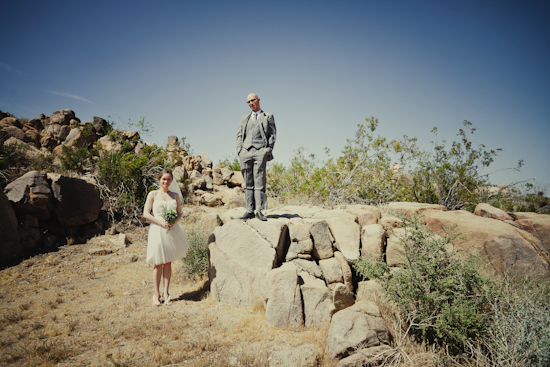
<point x="156" y="302"/>
<point x="167" y="301"/>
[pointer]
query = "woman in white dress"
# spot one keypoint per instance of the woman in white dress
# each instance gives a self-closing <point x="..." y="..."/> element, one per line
<point x="166" y="242"/>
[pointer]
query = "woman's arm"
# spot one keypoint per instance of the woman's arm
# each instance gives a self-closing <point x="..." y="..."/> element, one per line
<point x="147" y="211"/>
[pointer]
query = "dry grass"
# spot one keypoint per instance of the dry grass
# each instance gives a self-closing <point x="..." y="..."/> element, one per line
<point x="72" y="308"/>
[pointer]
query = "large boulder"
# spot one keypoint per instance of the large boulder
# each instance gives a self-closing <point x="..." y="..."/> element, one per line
<point x="76" y="201"/>
<point x="284" y="300"/>
<point x="372" y="240"/>
<point x="275" y="232"/>
<point x="101" y="126"/>
<point x="346" y="270"/>
<point x="10" y="248"/>
<point x="318" y="306"/>
<point x="322" y="238"/>
<point x="360" y="324"/>
<point x="239" y="260"/>
<point x="536" y="224"/>
<point x="488" y="211"/>
<point x="395" y="252"/>
<point x="217" y="175"/>
<point x="309" y="267"/>
<point x="81" y="135"/>
<point x="31" y="152"/>
<point x="13" y="131"/>
<point x="410" y="209"/>
<point x="345" y="231"/>
<point x="234" y="179"/>
<point x="233" y="198"/>
<point x="504" y="246"/>
<point x="9" y="122"/>
<point x="206" y="161"/>
<point x="342" y="296"/>
<point x="211" y="200"/>
<point x="31" y="194"/>
<point x="62" y="117"/>
<point x="332" y="271"/>
<point x="366" y="214"/>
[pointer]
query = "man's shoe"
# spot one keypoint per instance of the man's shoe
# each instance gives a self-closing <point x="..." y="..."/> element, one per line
<point x="261" y="216"/>
<point x="248" y="215"/>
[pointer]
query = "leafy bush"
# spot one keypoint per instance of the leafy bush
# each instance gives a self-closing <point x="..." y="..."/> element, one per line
<point x="196" y="261"/>
<point x="363" y="174"/>
<point x="371" y="268"/>
<point x="126" y="178"/>
<point x="452" y="177"/>
<point x="443" y="298"/>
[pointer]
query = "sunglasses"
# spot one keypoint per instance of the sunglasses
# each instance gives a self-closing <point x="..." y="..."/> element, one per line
<point x="252" y="101"/>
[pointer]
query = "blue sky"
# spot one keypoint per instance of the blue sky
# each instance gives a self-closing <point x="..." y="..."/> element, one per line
<point x="321" y="67"/>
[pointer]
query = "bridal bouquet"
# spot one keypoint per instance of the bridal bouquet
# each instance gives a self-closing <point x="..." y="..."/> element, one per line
<point x="170" y="216"/>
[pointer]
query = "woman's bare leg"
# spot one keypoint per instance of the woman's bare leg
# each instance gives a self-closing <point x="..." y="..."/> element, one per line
<point x="167" y="274"/>
<point x="157" y="274"/>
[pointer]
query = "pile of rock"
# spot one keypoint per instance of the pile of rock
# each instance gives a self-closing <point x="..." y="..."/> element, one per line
<point x="50" y="133"/>
<point x="298" y="263"/>
<point x="40" y="210"/>
<point x="203" y="183"/>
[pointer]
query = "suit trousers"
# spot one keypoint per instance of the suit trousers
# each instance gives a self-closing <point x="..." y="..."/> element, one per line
<point x="253" y="168"/>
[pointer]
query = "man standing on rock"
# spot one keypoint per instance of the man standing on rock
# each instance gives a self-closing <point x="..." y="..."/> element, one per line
<point x="255" y="142"/>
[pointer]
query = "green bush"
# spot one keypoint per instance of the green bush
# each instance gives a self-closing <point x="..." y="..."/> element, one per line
<point x="126" y="178"/>
<point x="196" y="261"/>
<point x="371" y="268"/>
<point x="234" y="164"/>
<point x="442" y="297"/>
<point x="362" y="174"/>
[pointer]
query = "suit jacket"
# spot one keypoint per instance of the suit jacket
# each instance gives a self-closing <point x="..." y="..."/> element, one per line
<point x="268" y="131"/>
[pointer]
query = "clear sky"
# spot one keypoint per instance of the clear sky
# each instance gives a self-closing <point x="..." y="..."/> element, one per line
<point x="321" y="67"/>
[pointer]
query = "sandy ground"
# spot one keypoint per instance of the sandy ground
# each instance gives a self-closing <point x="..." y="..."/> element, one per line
<point x="90" y="305"/>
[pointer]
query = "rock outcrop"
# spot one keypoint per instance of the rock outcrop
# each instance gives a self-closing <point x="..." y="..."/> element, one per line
<point x="46" y="209"/>
<point x="298" y="263"/>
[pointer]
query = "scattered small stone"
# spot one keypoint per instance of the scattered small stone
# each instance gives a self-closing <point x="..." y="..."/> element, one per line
<point x="98" y="251"/>
<point x="132" y="258"/>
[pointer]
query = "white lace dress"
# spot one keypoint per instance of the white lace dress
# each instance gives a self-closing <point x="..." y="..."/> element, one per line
<point x="164" y="246"/>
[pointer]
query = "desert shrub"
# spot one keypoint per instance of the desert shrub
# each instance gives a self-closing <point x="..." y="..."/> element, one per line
<point x="452" y="176"/>
<point x="443" y="298"/>
<point x="196" y="261"/>
<point x="15" y="161"/>
<point x="75" y="158"/>
<point x="79" y="156"/>
<point x="362" y="174"/>
<point x="126" y="178"/>
<point x="369" y="267"/>
<point x="233" y="164"/>
<point x="12" y="156"/>
<point x="519" y="332"/>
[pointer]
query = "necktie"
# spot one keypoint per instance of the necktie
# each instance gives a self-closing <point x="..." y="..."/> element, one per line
<point x="255" y="118"/>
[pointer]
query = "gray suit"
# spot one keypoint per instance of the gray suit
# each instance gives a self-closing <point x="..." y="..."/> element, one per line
<point x="252" y="151"/>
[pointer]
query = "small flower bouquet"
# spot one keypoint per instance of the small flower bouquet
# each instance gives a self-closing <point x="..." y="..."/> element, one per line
<point x="170" y="216"/>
